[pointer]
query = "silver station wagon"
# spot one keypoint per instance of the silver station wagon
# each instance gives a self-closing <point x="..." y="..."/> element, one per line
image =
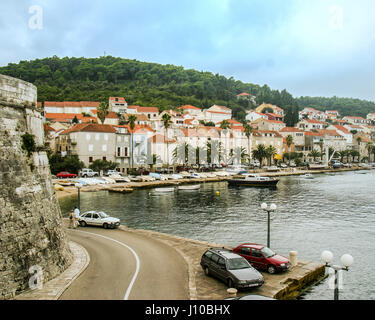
<point x="98" y="218"/>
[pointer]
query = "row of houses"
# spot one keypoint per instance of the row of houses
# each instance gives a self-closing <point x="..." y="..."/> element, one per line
<point x="113" y="140"/>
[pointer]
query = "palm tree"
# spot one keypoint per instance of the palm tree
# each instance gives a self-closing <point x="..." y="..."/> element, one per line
<point x="289" y="142"/>
<point x="166" y="119"/>
<point x="248" y="132"/>
<point x="321" y="146"/>
<point x="131" y="122"/>
<point x="315" y="154"/>
<point x="103" y="111"/>
<point x="225" y="125"/>
<point x="271" y="151"/>
<point x="369" y="148"/>
<point x="260" y="153"/>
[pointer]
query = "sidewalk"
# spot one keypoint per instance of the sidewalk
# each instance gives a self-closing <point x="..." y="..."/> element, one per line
<point x="54" y="288"/>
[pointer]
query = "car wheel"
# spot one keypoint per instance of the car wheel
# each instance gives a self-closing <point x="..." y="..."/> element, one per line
<point x="206" y="271"/>
<point x="105" y="226"/>
<point x="230" y="283"/>
<point x="82" y="223"/>
<point x="271" y="269"/>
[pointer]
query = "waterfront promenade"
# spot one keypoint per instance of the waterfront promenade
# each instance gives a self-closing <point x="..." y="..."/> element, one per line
<point x="130" y="186"/>
<point x="161" y="267"/>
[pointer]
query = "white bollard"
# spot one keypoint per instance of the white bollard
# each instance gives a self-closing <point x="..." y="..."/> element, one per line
<point x="293" y="258"/>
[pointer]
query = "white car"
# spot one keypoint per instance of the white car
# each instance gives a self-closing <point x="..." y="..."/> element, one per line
<point x="98" y="218"/>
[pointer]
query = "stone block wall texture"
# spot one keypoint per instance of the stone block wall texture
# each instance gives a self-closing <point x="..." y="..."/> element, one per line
<point x="31" y="232"/>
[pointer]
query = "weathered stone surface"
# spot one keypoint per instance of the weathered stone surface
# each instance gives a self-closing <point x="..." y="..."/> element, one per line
<point x="31" y="232"/>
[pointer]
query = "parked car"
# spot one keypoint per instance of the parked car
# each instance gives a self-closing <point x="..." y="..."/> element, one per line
<point x="89" y="173"/>
<point x="262" y="257"/>
<point x="110" y="172"/>
<point x="336" y="164"/>
<point x="98" y="218"/>
<point x="230" y="268"/>
<point x="66" y="174"/>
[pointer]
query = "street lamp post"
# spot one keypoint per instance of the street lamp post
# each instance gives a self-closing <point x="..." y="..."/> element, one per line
<point x="269" y="209"/>
<point x="346" y="261"/>
<point x="79" y="186"/>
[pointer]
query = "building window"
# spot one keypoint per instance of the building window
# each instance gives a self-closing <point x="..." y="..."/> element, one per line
<point x="97" y="136"/>
<point x="118" y="151"/>
<point x="104" y="147"/>
<point x="104" y="158"/>
<point x="90" y="159"/>
<point x="91" y="147"/>
<point x="88" y="136"/>
<point x="126" y="152"/>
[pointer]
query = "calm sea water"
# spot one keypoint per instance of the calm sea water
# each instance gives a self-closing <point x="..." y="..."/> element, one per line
<point x="333" y="212"/>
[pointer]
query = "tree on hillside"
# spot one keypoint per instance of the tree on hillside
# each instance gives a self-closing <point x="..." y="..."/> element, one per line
<point x="248" y="132"/>
<point x="103" y="111"/>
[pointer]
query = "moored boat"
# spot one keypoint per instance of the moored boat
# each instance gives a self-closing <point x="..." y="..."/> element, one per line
<point x="164" y="189"/>
<point x="189" y="187"/>
<point x="254" y="180"/>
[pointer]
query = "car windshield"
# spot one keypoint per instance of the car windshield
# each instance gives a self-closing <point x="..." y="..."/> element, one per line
<point x="237" y="263"/>
<point x="103" y="215"/>
<point x="267" y="252"/>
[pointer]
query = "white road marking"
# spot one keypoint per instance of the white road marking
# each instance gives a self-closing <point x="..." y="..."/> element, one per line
<point x="138" y="263"/>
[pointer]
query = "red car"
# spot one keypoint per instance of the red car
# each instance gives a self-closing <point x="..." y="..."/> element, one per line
<point x="262" y="257"/>
<point x="65" y="174"/>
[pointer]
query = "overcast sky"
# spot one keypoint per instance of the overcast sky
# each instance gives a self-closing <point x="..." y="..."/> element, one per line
<point x="309" y="47"/>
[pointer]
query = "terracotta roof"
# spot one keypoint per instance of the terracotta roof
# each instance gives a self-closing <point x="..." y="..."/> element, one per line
<point x="291" y="129"/>
<point x="310" y="133"/>
<point x="313" y="121"/>
<point x="330" y="132"/>
<point x="342" y="129"/>
<point x="147" y="109"/>
<point x="274" y="121"/>
<point x="90" y="127"/>
<point x="217" y="112"/>
<point x="142" y="127"/>
<point x="364" y="139"/>
<point x="351" y="117"/>
<point x="71" y="104"/>
<point x="243" y="94"/>
<point x="47" y="127"/>
<point x="63" y="117"/>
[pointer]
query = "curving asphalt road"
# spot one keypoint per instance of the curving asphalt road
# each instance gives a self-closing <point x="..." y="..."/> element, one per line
<point x="127" y="266"/>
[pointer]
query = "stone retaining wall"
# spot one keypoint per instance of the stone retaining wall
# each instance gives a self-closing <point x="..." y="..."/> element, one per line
<point x="31" y="231"/>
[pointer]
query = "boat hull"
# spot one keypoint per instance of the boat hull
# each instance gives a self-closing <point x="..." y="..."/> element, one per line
<point x="247" y="183"/>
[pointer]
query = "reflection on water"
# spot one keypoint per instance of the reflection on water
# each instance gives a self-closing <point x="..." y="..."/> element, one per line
<point x="333" y="212"/>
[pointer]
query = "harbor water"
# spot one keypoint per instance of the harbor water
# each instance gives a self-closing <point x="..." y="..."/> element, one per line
<point x="334" y="211"/>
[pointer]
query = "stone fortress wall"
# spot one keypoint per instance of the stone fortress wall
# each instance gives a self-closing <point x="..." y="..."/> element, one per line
<point x="31" y="231"/>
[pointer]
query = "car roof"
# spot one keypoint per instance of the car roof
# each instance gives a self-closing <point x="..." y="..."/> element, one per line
<point x="225" y="253"/>
<point x="253" y="245"/>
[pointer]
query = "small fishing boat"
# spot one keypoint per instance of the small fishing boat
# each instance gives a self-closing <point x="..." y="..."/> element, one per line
<point x="254" y="180"/>
<point x="164" y="189"/>
<point x="189" y="187"/>
<point x="307" y="176"/>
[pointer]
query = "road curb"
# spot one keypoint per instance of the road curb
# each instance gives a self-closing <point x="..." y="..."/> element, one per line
<point x="53" y="289"/>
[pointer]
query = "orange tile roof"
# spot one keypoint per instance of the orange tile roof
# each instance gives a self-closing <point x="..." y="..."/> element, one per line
<point x="90" y="127"/>
<point x="148" y="109"/>
<point x="291" y="129"/>
<point x="120" y="99"/>
<point x="341" y="128"/>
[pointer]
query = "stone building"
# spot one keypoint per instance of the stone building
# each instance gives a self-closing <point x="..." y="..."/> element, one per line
<point x="31" y="232"/>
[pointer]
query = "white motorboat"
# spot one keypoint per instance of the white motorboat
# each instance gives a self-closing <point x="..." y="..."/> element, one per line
<point x="164" y="189"/>
<point x="307" y="176"/>
<point x="253" y="180"/>
<point x="189" y="187"/>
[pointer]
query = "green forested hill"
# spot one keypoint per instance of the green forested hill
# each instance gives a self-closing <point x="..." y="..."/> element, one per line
<point x="152" y="84"/>
<point x="142" y="83"/>
<point x="346" y="106"/>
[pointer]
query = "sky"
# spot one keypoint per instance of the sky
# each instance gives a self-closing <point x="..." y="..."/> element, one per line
<point x="308" y="47"/>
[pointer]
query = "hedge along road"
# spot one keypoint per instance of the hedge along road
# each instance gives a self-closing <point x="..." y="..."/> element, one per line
<point x="127" y="266"/>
